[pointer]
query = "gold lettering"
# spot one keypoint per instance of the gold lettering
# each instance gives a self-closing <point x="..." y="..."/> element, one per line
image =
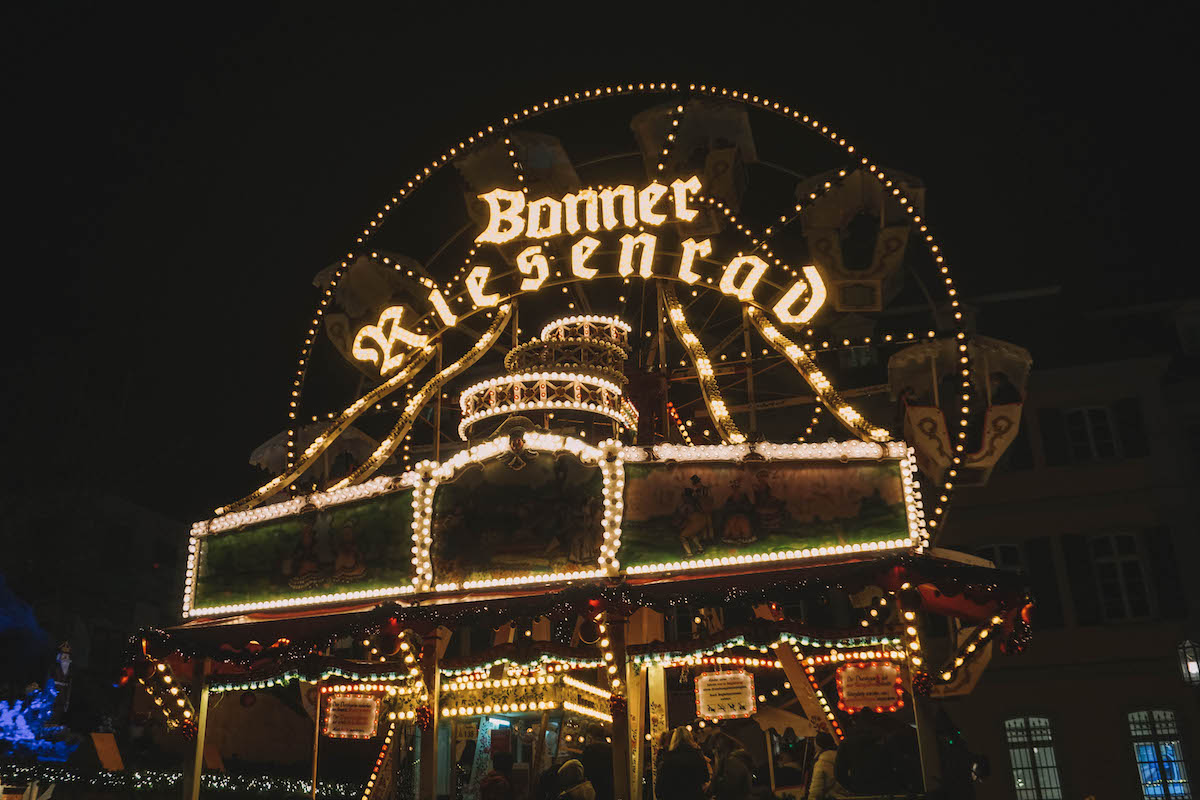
<point x="646" y="199"/>
<point x="529" y="261"/>
<point x="581" y="251"/>
<point x="679" y="194"/>
<point x="745" y="291"/>
<point x="553" y="226"/>
<point x="691" y="249"/>
<point x="497" y="216"/>
<point x="647" y="242"/>
<point x="475" y="281"/>
<point x="442" y="307"/>
<point x="783" y="309"/>
<point x="608" y="203"/>
<point x="591" y="210"/>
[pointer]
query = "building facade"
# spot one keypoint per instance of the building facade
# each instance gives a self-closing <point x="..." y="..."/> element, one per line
<point x="1096" y="505"/>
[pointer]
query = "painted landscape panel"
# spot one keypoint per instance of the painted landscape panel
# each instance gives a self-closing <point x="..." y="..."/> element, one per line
<point x="352" y="547"/>
<point x="508" y="518"/>
<point x="679" y="511"/>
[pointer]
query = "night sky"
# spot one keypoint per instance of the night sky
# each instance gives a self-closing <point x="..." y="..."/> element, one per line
<point x="179" y="179"/>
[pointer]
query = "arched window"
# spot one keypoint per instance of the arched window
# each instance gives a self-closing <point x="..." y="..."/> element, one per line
<point x="1031" y="754"/>
<point x="1159" y="757"/>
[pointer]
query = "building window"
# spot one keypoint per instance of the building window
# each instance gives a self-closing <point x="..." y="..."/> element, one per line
<point x="1004" y="556"/>
<point x="1090" y="433"/>
<point x="1031" y="753"/>
<point x="1160" y="764"/>
<point x="1120" y="577"/>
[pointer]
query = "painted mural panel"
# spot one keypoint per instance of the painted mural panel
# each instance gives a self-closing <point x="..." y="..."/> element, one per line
<point x="352" y="547"/>
<point x="677" y="511"/>
<point x="517" y="516"/>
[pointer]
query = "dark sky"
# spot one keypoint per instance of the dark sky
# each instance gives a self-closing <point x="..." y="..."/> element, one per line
<point x="179" y="179"/>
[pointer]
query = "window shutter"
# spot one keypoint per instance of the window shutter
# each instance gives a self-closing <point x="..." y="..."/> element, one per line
<point x="1084" y="593"/>
<point x="1054" y="437"/>
<point x="1043" y="580"/>
<point x="1164" y="569"/>
<point x="1131" y="429"/>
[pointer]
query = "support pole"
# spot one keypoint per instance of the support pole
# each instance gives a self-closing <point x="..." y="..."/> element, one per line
<point x="662" y="359"/>
<point x="437" y="411"/>
<point x="191" y="782"/>
<point x="620" y="733"/>
<point x="749" y="370"/>
<point x="538" y="761"/>
<point x="433" y="685"/>
<point x="316" y="739"/>
<point x="923" y="712"/>
<point x="659" y="723"/>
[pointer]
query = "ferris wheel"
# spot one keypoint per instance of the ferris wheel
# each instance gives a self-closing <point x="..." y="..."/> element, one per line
<point x="670" y="263"/>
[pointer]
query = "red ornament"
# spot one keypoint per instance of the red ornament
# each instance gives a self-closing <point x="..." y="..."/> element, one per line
<point x="425" y="718"/>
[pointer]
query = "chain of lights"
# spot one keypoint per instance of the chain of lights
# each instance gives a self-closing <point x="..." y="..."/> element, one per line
<point x="544" y="664"/>
<point x="168" y="697"/>
<point x="380" y="761"/>
<point x="587" y="711"/>
<point x="150" y="780"/>
<point x="675" y="656"/>
<point x="589" y="326"/>
<point x="811" y="673"/>
<point x="855" y="422"/>
<point x="675" y="116"/>
<point x="973" y="643"/>
<point x="313" y="452"/>
<point x="612" y="471"/>
<point x="838" y="657"/>
<point x="466" y="697"/>
<point x="709" y="389"/>
<point x="535" y="391"/>
<point x="679" y="426"/>
<point x="764" y="104"/>
<point x="812" y="423"/>
<point x="912" y="637"/>
<point x="283" y="679"/>
<point x="422" y="395"/>
<point x="596" y="355"/>
<point x="291" y="602"/>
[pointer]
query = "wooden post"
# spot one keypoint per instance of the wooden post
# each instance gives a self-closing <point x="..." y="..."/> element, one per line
<point x="770" y="759"/>
<point x="538" y="762"/>
<point x="931" y="767"/>
<point x="437" y="411"/>
<point x="194" y="770"/>
<point x="620" y="725"/>
<point x="750" y="401"/>
<point x="659" y="724"/>
<point x="316" y="739"/>
<point x="429" y="748"/>
<point x="635" y="694"/>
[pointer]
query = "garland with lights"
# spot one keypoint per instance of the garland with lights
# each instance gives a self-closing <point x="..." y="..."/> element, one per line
<point x="159" y="781"/>
<point x="891" y="572"/>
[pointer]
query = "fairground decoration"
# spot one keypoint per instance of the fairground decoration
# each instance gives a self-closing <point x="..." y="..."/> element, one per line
<point x="876" y="685"/>
<point x="725" y="695"/>
<point x="586" y="393"/>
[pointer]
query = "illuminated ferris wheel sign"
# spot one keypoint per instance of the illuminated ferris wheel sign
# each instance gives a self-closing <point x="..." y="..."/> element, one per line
<point x="679" y="227"/>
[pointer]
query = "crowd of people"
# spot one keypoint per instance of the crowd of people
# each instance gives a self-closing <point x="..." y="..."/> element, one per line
<point x="720" y="769"/>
